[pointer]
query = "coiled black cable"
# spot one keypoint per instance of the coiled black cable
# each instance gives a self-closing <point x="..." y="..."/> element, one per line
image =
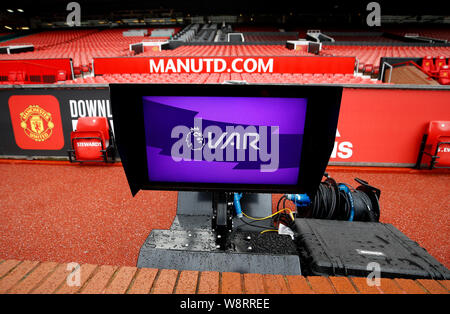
<point x="324" y="204"/>
<point x="331" y="202"/>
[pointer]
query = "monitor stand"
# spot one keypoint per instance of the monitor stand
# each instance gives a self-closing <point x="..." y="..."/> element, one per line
<point x="205" y="236"/>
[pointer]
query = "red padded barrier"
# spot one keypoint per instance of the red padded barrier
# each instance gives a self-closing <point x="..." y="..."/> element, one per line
<point x="241" y="64"/>
<point x="34" y="67"/>
<point x="386" y="125"/>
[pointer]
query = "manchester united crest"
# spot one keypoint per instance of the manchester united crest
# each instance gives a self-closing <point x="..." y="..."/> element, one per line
<point x="37" y="123"/>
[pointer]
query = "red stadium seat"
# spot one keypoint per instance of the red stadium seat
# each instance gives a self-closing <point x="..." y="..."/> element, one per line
<point x="440" y="61"/>
<point x="428" y="64"/>
<point x="76" y="70"/>
<point x="444" y="75"/>
<point x="93" y="141"/>
<point x="368" y="69"/>
<point x="436" y="145"/>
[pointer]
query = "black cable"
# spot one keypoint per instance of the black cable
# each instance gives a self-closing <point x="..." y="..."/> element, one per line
<point x="330" y="202"/>
<point x="279" y="201"/>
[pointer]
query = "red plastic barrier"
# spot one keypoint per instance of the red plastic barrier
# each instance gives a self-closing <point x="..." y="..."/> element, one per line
<point x="208" y="64"/>
<point x="385" y="126"/>
<point x="36" y="71"/>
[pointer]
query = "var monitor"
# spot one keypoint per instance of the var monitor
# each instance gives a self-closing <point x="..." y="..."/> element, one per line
<point x="208" y="137"/>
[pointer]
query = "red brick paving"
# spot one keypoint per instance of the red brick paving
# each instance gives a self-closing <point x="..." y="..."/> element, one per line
<point x="342" y="285"/>
<point x="144" y="281"/>
<point x="165" y="283"/>
<point x="16" y="275"/>
<point x="231" y="283"/>
<point x="7" y="266"/>
<point x="253" y="283"/>
<point x="432" y="286"/>
<point x="187" y="282"/>
<point x="275" y="284"/>
<point x="35" y="277"/>
<point x="121" y="281"/>
<point x="410" y="286"/>
<point x="362" y="286"/>
<point x="209" y="282"/>
<point x="38" y="275"/>
<point x="321" y="285"/>
<point x="98" y="283"/>
<point x="86" y="272"/>
<point x="298" y="285"/>
<point x="52" y="282"/>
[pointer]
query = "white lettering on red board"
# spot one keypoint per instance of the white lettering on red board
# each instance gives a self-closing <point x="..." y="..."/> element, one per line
<point x="211" y="65"/>
<point x="342" y="150"/>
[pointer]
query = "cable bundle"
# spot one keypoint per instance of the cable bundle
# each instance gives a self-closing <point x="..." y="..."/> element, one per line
<point x="343" y="202"/>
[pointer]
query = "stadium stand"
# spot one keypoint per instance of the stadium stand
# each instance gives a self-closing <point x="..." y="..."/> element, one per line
<point x="206" y="33"/>
<point x="85" y="44"/>
<point x="371" y="55"/>
<point x="187" y="33"/>
<point x="80" y="45"/>
<point x="228" y="50"/>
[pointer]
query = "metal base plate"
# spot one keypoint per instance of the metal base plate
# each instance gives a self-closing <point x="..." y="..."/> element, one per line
<point x="190" y="244"/>
<point x="195" y="249"/>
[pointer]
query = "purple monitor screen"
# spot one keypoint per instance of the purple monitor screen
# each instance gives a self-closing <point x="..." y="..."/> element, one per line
<point x="237" y="140"/>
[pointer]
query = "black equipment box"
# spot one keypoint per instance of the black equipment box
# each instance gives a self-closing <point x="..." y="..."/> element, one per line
<point x="344" y="248"/>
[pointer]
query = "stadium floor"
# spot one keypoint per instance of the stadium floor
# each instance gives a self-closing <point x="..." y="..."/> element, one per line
<point x="58" y="212"/>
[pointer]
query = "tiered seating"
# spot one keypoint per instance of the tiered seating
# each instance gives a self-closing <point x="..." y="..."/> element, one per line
<point x="229" y="50"/>
<point x="80" y="45"/>
<point x="373" y="39"/>
<point x="371" y="55"/>
<point x="206" y="33"/>
<point x="205" y="78"/>
<point x="268" y="38"/>
<point x="187" y="33"/>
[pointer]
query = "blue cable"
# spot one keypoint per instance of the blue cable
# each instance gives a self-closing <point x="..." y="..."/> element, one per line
<point x="344" y="187"/>
<point x="300" y="200"/>
<point x="237" y="204"/>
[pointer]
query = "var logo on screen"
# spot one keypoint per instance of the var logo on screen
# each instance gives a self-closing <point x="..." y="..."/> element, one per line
<point x="217" y="139"/>
<point x="227" y="143"/>
<point x="36" y="122"/>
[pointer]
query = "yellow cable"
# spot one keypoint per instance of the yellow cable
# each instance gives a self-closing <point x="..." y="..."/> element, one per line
<point x="264" y="231"/>
<point x="284" y="209"/>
